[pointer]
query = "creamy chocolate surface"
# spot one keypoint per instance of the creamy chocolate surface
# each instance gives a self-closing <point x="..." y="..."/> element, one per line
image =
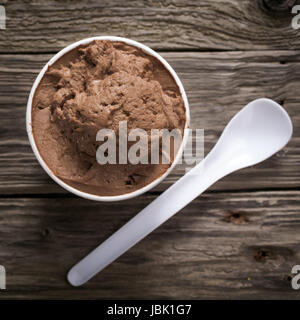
<point x="95" y="87"/>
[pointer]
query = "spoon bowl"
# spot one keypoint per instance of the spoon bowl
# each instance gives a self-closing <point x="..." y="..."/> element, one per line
<point x="254" y="134"/>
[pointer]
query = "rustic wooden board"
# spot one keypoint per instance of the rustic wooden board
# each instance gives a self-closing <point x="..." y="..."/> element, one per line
<point x="223" y="245"/>
<point x="44" y="26"/>
<point x="217" y="84"/>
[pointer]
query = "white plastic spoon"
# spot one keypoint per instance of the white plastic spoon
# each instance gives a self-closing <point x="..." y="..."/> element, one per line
<point x="254" y="134"/>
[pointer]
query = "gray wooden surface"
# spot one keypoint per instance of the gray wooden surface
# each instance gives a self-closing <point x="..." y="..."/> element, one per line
<point x="43" y="25"/>
<point x="223" y="245"/>
<point x="238" y="240"/>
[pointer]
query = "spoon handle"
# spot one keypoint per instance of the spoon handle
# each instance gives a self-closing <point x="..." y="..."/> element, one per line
<point x="157" y="212"/>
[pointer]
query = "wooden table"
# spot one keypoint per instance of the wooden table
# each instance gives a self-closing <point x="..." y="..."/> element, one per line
<point x="240" y="239"/>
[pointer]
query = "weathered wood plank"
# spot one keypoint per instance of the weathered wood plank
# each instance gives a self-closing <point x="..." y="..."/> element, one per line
<point x="223" y="245"/>
<point x="217" y="85"/>
<point x="45" y="26"/>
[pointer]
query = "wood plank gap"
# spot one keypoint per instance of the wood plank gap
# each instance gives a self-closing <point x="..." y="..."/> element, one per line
<point x="161" y="50"/>
<point x="154" y="193"/>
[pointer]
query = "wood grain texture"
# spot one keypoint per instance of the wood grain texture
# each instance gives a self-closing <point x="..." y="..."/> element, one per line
<point x="217" y="84"/>
<point x="44" y="26"/>
<point x="223" y="245"/>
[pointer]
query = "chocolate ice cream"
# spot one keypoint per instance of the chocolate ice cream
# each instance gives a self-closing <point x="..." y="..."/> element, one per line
<point x="94" y="87"/>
